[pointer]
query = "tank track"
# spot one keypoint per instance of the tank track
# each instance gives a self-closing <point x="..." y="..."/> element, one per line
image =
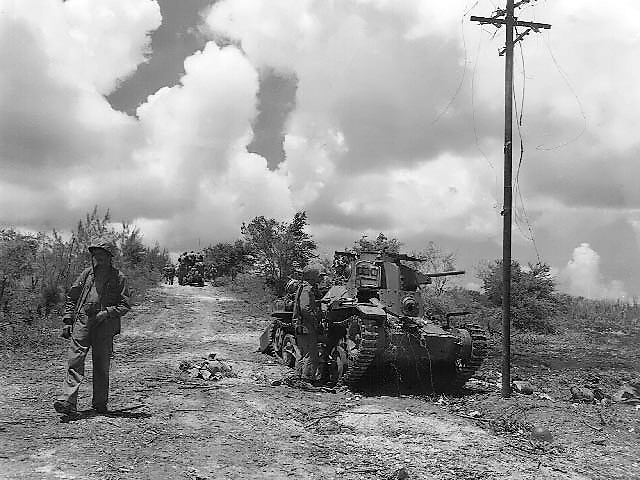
<point x="272" y="350"/>
<point x="366" y="352"/>
<point x="468" y="368"/>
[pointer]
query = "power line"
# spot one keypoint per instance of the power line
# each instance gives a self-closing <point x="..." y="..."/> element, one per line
<point x="510" y="22"/>
<point x="572" y="90"/>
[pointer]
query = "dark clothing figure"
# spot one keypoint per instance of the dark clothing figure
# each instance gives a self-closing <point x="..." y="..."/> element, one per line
<point x="305" y="311"/>
<point x="95" y="303"/>
<point x="169" y="273"/>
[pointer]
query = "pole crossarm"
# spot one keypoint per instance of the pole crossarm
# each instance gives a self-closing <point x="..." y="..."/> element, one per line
<point x="498" y="22"/>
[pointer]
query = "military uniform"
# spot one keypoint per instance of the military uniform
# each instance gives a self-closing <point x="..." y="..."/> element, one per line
<point x="305" y="311"/>
<point x="95" y="303"/>
<point x="169" y="273"/>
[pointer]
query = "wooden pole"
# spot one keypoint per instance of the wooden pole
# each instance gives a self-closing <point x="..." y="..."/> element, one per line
<point x="508" y="201"/>
<point x="509" y="22"/>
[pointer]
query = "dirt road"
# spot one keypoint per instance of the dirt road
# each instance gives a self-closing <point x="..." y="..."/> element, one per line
<point x="172" y="426"/>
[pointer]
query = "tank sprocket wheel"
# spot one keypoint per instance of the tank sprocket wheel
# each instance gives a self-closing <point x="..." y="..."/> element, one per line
<point x="361" y="340"/>
<point x="466" y="368"/>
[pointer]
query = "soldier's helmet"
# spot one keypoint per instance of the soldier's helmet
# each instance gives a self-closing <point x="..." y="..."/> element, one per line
<point x="105" y="244"/>
<point x="313" y="273"/>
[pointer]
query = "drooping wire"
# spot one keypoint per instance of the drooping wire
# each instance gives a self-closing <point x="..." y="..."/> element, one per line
<point x="475" y="130"/>
<point x="518" y="188"/>
<point x="464" y="70"/>
<point x="568" y="83"/>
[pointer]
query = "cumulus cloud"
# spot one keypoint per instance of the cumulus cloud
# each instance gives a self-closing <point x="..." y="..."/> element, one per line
<point x="181" y="168"/>
<point x="582" y="276"/>
<point x="374" y="142"/>
<point x="396" y="124"/>
<point x="57" y="129"/>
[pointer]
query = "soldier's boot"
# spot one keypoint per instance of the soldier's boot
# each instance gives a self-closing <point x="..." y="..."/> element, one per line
<point x="65" y="408"/>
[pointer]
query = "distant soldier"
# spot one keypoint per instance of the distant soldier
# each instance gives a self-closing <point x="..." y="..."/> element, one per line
<point x="95" y="303"/>
<point x="169" y="272"/>
<point x="182" y="268"/>
<point x="307" y="316"/>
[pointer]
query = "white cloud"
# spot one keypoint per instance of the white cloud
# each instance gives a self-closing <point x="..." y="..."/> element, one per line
<point x="582" y="276"/>
<point x="382" y="135"/>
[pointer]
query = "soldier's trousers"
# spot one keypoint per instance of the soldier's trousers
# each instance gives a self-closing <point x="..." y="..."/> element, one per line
<point x="308" y="345"/>
<point x="99" y="338"/>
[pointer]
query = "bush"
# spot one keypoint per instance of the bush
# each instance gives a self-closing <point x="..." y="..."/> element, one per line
<point x="36" y="270"/>
<point x="534" y="302"/>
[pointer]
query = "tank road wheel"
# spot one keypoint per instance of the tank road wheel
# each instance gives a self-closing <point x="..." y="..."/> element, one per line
<point x="360" y="342"/>
<point x="290" y="353"/>
<point x="466" y="367"/>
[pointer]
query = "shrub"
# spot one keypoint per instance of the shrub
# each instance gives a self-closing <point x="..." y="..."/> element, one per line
<point x="534" y="302"/>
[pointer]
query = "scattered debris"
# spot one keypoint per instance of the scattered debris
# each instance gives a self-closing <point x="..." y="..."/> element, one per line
<point x="582" y="395"/>
<point x="598" y="429"/>
<point x="296" y="382"/>
<point x="523" y="387"/>
<point x="544" y="396"/>
<point x="541" y="434"/>
<point x="400" y="474"/>
<point x="212" y="369"/>
<point x="628" y="393"/>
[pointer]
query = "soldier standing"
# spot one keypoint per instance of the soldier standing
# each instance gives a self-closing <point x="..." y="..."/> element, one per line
<point x="169" y="272"/>
<point x="95" y="303"/>
<point x="307" y="315"/>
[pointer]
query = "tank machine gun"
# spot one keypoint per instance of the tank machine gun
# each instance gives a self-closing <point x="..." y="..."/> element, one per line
<point x="378" y="317"/>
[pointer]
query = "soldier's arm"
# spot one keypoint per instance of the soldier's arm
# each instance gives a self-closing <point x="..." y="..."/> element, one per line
<point x="308" y="305"/>
<point x="123" y="305"/>
<point x="72" y="298"/>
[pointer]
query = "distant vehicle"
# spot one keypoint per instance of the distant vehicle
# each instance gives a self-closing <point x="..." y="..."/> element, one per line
<point x="191" y="269"/>
<point x="378" y="319"/>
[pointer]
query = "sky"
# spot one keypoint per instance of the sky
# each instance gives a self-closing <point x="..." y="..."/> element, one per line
<point x="189" y="118"/>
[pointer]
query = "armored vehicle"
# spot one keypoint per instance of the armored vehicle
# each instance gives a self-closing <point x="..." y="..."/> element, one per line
<point x="191" y="269"/>
<point x="377" y="320"/>
<point x="279" y="338"/>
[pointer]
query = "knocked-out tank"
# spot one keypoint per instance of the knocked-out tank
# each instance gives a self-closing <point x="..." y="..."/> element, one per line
<point x="377" y="320"/>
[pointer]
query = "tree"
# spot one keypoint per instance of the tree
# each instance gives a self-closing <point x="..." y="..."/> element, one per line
<point x="533" y="298"/>
<point x="279" y="248"/>
<point x="381" y="243"/>
<point x="225" y="259"/>
<point x="436" y="260"/>
<point x="132" y="249"/>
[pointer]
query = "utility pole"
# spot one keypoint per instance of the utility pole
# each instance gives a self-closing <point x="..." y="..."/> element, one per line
<point x="510" y="22"/>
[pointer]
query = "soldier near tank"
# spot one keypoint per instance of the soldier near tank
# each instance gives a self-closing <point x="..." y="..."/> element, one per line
<point x="306" y="314"/>
<point x="169" y="272"/>
<point x="182" y="268"/>
<point x="95" y="302"/>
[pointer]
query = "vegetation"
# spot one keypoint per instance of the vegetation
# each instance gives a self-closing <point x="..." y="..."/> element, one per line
<point x="226" y="259"/>
<point x="534" y="302"/>
<point x="380" y="244"/>
<point x="37" y="269"/>
<point x="279" y="248"/>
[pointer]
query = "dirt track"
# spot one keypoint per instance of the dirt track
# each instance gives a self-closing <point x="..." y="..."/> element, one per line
<point x="239" y="427"/>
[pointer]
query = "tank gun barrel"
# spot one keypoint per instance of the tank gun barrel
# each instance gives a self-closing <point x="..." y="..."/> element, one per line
<point x="445" y="274"/>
